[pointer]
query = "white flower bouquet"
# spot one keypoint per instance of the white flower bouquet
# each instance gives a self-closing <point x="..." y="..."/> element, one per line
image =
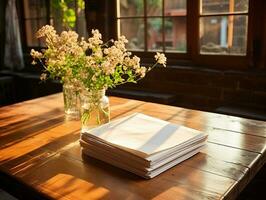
<point x="89" y="67"/>
<point x="92" y="63"/>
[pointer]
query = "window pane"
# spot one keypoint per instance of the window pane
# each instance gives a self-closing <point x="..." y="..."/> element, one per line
<point x="175" y="34"/>
<point x="34" y="8"/>
<point x="79" y="25"/>
<point x="175" y="7"/>
<point x="55" y="19"/>
<point x="32" y="26"/>
<point x="154" y="7"/>
<point x="133" y="29"/>
<point x="129" y="8"/>
<point x="221" y="6"/>
<point x="31" y="29"/>
<point x="155" y="39"/>
<point x="223" y="35"/>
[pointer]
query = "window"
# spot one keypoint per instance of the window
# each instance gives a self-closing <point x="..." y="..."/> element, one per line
<point x="201" y="32"/>
<point x="74" y="16"/>
<point x="38" y="13"/>
<point x="153" y="25"/>
<point x="35" y="16"/>
<point x="223" y="27"/>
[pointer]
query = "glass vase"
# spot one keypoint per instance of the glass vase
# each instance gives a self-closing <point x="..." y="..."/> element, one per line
<point x="95" y="109"/>
<point x="71" y="101"/>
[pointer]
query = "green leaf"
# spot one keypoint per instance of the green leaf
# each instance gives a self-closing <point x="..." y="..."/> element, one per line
<point x="81" y="4"/>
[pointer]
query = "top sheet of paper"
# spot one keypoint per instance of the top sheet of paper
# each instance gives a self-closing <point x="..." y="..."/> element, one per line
<point x="143" y="134"/>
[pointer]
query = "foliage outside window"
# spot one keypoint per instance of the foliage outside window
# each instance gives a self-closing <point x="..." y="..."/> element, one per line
<point x="62" y="14"/>
<point x="68" y="14"/>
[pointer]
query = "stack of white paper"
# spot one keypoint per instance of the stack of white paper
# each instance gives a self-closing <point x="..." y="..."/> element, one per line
<point x="142" y="144"/>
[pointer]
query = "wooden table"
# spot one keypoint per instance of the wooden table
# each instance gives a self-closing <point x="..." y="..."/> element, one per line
<point x="40" y="155"/>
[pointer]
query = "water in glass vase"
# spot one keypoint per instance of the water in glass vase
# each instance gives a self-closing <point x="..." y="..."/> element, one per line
<point x="71" y="101"/>
<point x="95" y="109"/>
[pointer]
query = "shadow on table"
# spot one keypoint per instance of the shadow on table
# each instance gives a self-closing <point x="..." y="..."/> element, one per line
<point x="53" y="164"/>
<point x="18" y="131"/>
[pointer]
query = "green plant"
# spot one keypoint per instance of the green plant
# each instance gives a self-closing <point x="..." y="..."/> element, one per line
<point x="67" y="14"/>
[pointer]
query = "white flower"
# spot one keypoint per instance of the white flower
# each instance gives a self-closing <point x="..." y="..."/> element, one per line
<point x="95" y="40"/>
<point x="160" y="58"/>
<point x="123" y="39"/>
<point x="106" y="51"/>
<point x="98" y="53"/>
<point x="46" y="30"/>
<point x="94" y="78"/>
<point x="107" y="65"/>
<point x="84" y="44"/>
<point x="108" y="68"/>
<point x="135" y="62"/>
<point x="141" y="71"/>
<point x="43" y="77"/>
<point x="96" y="33"/>
<point x="36" y="54"/>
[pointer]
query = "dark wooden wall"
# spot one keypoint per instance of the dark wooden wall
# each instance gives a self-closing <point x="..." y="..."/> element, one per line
<point x="207" y="89"/>
<point x="101" y="15"/>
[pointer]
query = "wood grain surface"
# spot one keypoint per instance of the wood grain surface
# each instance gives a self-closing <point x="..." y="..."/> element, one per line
<point x="39" y="150"/>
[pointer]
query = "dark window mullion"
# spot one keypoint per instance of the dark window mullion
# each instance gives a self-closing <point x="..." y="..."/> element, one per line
<point x="223" y="13"/>
<point x="226" y="14"/>
<point x="163" y="25"/>
<point x="76" y="13"/>
<point x="34" y="18"/>
<point x="192" y="29"/>
<point x="38" y="20"/>
<point x="137" y="17"/>
<point x="145" y="27"/>
<point x="134" y="17"/>
<point x="48" y="10"/>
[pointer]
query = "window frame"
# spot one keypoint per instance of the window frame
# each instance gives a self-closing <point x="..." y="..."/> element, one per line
<point x="149" y="54"/>
<point x="193" y="56"/>
<point x="222" y="61"/>
<point x="255" y="37"/>
<point x="23" y="19"/>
